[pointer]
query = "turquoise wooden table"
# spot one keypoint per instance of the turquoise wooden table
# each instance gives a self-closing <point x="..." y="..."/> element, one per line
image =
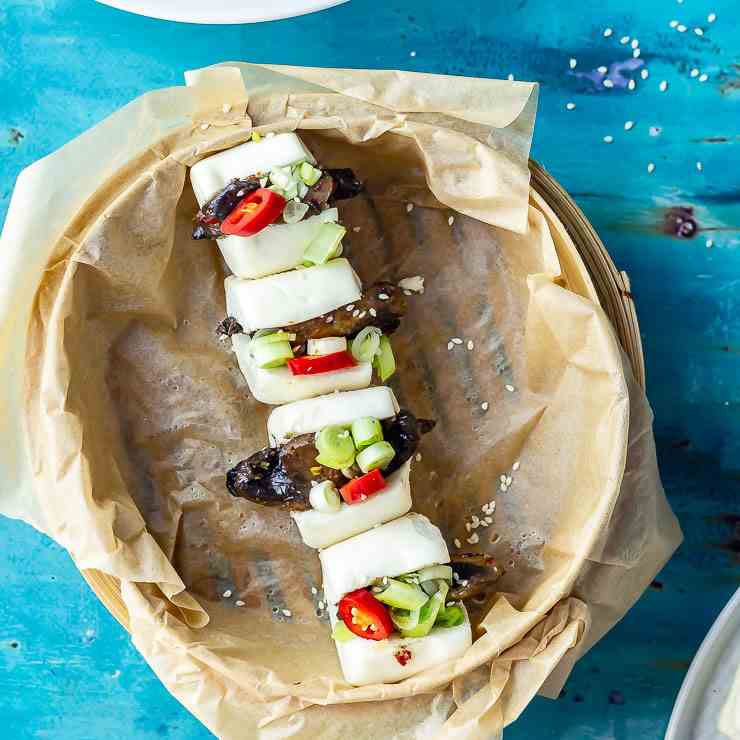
<point x="654" y="164"/>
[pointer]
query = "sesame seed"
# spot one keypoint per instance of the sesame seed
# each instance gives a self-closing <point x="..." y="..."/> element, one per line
<point x="631" y="85"/>
<point x="703" y="78"/>
<point x="650" y="168"/>
<point x="644" y="74"/>
<point x="314" y="590"/>
<point x="510" y="77"/>
<point x="450" y="345"/>
<point x="355" y="313"/>
<point x="603" y="70"/>
<point x="570" y="106"/>
<point x="239" y="603"/>
<point x="503" y="478"/>
<point x="699" y="166"/>
<point x="608" y="83"/>
<point x="673" y="24"/>
<point x="287" y="613"/>
<point x="509" y="480"/>
<point x="353" y="611"/>
<point x="509" y="388"/>
<point x="484" y="405"/>
<point x="474" y="539"/>
<point x="329" y="319"/>
<point x="694" y="72"/>
<point x="457" y="543"/>
<point x="456" y="340"/>
<point x="468" y="526"/>
<point x="515" y="466"/>
<point x="572" y="63"/>
<point x="407" y="292"/>
<point x="470" y="344"/>
<point x="418" y="457"/>
<point x="681" y="28"/>
<point x="663" y="86"/>
<point x="204" y="126"/>
<point x="383" y="296"/>
<point x="351" y="307"/>
<point x="321" y="604"/>
<point x="699" y="31"/>
<point x="608" y="139"/>
<point x="654" y="131"/>
<point x="412" y="53"/>
<point x="624" y="40"/>
<point x="628" y="125"/>
<point x="635" y="53"/>
<point x="608" y="32"/>
<point x="450" y="220"/>
<point x="362" y="315"/>
<point x="635" y="43"/>
<point x="489" y="520"/>
<point x="356" y="229"/>
<point x="226" y="107"/>
<point x="373" y="313"/>
<point x="709" y="243"/>
<point x="227" y="594"/>
<point x="409" y="207"/>
<point x="711" y="18"/>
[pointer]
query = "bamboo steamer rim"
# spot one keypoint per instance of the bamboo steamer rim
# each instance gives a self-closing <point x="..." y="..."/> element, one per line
<point x="589" y="270"/>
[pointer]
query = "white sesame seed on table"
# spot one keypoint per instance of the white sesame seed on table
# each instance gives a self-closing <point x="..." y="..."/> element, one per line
<point x="239" y="603"/>
<point x="629" y="125"/>
<point x="450" y="220"/>
<point x="509" y="387"/>
<point x="450" y="345"/>
<point x="570" y="106"/>
<point x="694" y="72"/>
<point x="635" y="43"/>
<point x="699" y="31"/>
<point x="409" y="207"/>
<point x="470" y="345"/>
<point x="711" y="18"/>
<point x="314" y="590"/>
<point x="227" y="594"/>
<point x="356" y="229"/>
<point x="456" y="340"/>
<point x="603" y="70"/>
<point x="608" y="139"/>
<point x="703" y="77"/>
<point x="699" y="166"/>
<point x="681" y="28"/>
<point x="651" y="167"/>
<point x="515" y="466"/>
<point x="644" y="73"/>
<point x="709" y="243"/>
<point x="457" y="543"/>
<point x="572" y="63"/>
<point x="608" y="83"/>
<point x="636" y="53"/>
<point x="608" y="32"/>
<point x="484" y="405"/>
<point x="624" y="40"/>
<point x="287" y="613"/>
<point x="631" y="85"/>
<point x="663" y="86"/>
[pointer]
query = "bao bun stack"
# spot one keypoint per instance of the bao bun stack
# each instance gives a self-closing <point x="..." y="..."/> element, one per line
<point x="310" y="339"/>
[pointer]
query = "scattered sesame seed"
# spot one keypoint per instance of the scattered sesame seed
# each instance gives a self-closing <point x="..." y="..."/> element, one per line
<point x="510" y="77"/>
<point x="456" y="340"/>
<point x="383" y="296"/>
<point x="603" y="70"/>
<point x="329" y="319"/>
<point x="226" y="107"/>
<point x="572" y="63"/>
<point x="287" y="613"/>
<point x="468" y="526"/>
<point x="409" y="207"/>
<point x="457" y="543"/>
<point x="503" y="478"/>
<point x="239" y="603"/>
<point x="699" y="31"/>
<point x="515" y="466"/>
<point x="373" y="313"/>
<point x="450" y="345"/>
<point x="509" y="480"/>
<point x="711" y="18"/>
<point x="314" y="590"/>
<point x="502" y="487"/>
<point x="227" y="594"/>
<point x="412" y="53"/>
<point x="608" y="32"/>
<point x="607" y="83"/>
<point x="570" y="106"/>
<point x="356" y="229"/>
<point x="407" y="292"/>
<point x="608" y="139"/>
<point x="489" y="520"/>
<point x="484" y="405"/>
<point x="450" y="220"/>
<point x="474" y="539"/>
<point x="654" y="131"/>
<point x="635" y="43"/>
<point x="362" y="315"/>
<point x="624" y="40"/>
<point x="699" y="166"/>
<point x="204" y="126"/>
<point x="663" y="86"/>
<point x="644" y="74"/>
<point x="681" y="28"/>
<point x="694" y="72"/>
<point x="709" y="243"/>
<point x="703" y="78"/>
<point x="351" y="307"/>
<point x="321" y="605"/>
<point x="650" y="168"/>
<point x="635" y="53"/>
<point x="628" y="125"/>
<point x="673" y="24"/>
<point x="631" y="85"/>
<point x="418" y="457"/>
<point x="509" y="388"/>
<point x="470" y="344"/>
<point x="355" y="313"/>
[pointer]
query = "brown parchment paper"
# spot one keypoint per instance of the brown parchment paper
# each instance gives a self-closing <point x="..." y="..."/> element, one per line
<point x="127" y="410"/>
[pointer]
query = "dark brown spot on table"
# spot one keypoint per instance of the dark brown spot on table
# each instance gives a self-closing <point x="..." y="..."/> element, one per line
<point x="616" y="697"/>
<point x="681" y="444"/>
<point x="15" y="136"/>
<point x="679" y="221"/>
<point x="656" y="585"/>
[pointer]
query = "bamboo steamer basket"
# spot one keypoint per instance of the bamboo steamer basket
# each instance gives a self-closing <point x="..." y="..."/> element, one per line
<point x="588" y="270"/>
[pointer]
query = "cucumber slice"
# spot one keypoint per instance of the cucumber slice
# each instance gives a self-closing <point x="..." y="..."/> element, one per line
<point x="428" y="613"/>
<point x="325" y="244"/>
<point x="436" y="571"/>
<point x="366" y="431"/>
<point x="378" y="455"/>
<point x="272" y="354"/>
<point x="404" y="619"/>
<point x="399" y="594"/>
<point x="342" y="633"/>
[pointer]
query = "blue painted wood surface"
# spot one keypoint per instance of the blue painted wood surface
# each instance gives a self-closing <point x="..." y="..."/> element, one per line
<point x="68" y="671"/>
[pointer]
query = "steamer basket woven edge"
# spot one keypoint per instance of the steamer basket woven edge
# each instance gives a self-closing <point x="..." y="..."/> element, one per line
<point x="589" y="271"/>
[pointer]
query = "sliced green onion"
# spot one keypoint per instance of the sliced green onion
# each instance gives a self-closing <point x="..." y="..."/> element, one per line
<point x="325" y="497"/>
<point x="326" y="346"/>
<point x="450" y="616"/>
<point x="325" y="244"/>
<point x="282" y="177"/>
<point x="429" y="612"/>
<point x="404" y="619"/>
<point x="291" y="192"/>
<point x="256" y="137"/>
<point x="342" y="633"/>
<point x="366" y="344"/>
<point x="366" y="431"/>
<point x="335" y="446"/>
<point x="309" y="174"/>
<point x="268" y="336"/>
<point x="302" y="190"/>
<point x="271" y="354"/>
<point x="436" y="571"/>
<point x="384" y="361"/>
<point x="378" y="455"/>
<point x="294" y="212"/>
<point x="429" y="587"/>
<point x="399" y="594"/>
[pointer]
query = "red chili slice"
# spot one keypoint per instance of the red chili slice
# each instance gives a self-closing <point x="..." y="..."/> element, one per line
<point x="365" y="616"/>
<point x="258" y="210"/>
<point x="359" y="489"/>
<point x="314" y="364"/>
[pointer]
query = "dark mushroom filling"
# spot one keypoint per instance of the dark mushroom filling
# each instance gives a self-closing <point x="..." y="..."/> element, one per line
<point x="476" y="575"/>
<point x="283" y="476"/>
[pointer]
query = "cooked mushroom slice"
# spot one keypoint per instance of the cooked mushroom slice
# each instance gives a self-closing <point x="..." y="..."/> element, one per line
<point x="477" y="574"/>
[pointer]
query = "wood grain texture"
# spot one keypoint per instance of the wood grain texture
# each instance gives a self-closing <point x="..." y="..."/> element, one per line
<point x="67" y="669"/>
